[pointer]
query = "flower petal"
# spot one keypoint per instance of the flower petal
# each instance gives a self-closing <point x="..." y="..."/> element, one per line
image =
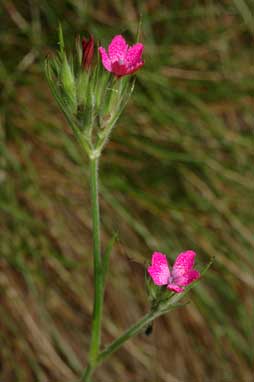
<point x="119" y="69"/>
<point x="133" y="56"/>
<point x="183" y="272"/>
<point x="187" y="278"/>
<point x="175" y="288"/>
<point x="184" y="263"/>
<point x="117" y="49"/>
<point x="133" y="69"/>
<point x="193" y="275"/>
<point x="105" y="59"/>
<point x="159" y="270"/>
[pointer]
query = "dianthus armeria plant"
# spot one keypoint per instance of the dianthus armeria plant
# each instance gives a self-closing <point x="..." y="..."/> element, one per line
<point x="92" y="87"/>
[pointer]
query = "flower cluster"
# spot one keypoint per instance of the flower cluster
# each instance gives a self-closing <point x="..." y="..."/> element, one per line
<point x="120" y="59"/>
<point x="90" y="97"/>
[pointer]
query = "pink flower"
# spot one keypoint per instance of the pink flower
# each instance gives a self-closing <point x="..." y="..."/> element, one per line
<point x="182" y="273"/>
<point x="122" y="59"/>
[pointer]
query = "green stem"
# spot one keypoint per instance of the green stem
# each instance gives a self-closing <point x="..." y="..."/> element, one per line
<point x="98" y="279"/>
<point x="129" y="333"/>
<point x="116" y="344"/>
<point x="86" y="377"/>
<point x="137" y="328"/>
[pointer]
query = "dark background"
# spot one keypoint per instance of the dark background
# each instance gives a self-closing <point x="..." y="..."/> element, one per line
<point x="176" y="175"/>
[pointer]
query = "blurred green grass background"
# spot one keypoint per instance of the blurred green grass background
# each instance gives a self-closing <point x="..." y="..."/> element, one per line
<point x="177" y="174"/>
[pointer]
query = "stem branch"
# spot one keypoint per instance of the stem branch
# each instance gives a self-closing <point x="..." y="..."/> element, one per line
<point x="129" y="333"/>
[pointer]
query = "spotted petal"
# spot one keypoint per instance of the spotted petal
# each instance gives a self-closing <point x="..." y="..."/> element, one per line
<point x="105" y="59"/>
<point x="117" y="49"/>
<point x="119" y="69"/>
<point x="134" y="54"/>
<point x="183" y="272"/>
<point x="159" y="270"/>
<point x="175" y="288"/>
<point x="184" y="263"/>
<point x="133" y="69"/>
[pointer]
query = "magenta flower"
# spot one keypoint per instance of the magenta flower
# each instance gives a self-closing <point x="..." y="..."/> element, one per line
<point x="122" y="59"/>
<point x="182" y="273"/>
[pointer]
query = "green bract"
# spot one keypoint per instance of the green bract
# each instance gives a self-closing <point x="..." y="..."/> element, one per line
<point x="91" y="100"/>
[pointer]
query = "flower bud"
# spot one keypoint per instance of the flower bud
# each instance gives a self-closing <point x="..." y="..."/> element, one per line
<point x="87" y="52"/>
<point x="68" y="82"/>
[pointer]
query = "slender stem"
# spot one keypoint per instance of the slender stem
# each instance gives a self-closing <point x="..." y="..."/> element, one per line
<point x="131" y="332"/>
<point x="116" y="344"/>
<point x="86" y="377"/>
<point x="98" y="280"/>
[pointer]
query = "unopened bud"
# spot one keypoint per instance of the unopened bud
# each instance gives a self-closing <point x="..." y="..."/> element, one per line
<point x="87" y="52"/>
<point x="68" y="82"/>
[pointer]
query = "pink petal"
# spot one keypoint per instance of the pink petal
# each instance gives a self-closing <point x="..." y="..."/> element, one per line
<point x="187" y="278"/>
<point x="183" y="272"/>
<point x="159" y="270"/>
<point x="134" y="54"/>
<point x="184" y="263"/>
<point x="117" y="49"/>
<point x="119" y="69"/>
<point x="193" y="275"/>
<point x="105" y="59"/>
<point x="174" y="288"/>
<point x="133" y="69"/>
